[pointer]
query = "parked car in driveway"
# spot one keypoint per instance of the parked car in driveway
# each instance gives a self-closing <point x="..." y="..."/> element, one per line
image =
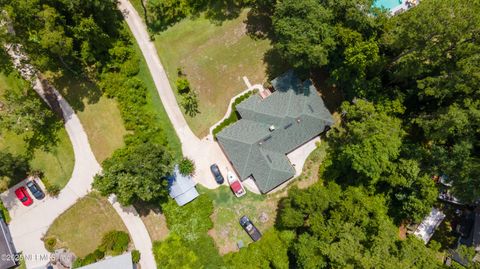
<point x="217" y="174"/>
<point x="235" y="184"/>
<point x="23" y="196"/>
<point x="35" y="190"/>
<point x="248" y="226"/>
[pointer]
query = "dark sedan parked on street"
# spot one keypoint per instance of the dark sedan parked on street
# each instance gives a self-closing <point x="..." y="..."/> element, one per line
<point x="217" y="174"/>
<point x="250" y="228"/>
<point x="35" y="190"/>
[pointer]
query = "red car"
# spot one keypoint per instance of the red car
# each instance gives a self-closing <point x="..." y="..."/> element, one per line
<point x="23" y="196"/>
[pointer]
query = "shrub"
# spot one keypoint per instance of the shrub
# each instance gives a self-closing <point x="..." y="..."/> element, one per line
<point x="5" y="215"/>
<point x="99" y="254"/>
<point x="189" y="102"/>
<point x="135" y="256"/>
<point x="183" y="85"/>
<point x="186" y="167"/>
<point x="89" y="259"/>
<point x="52" y="189"/>
<point x="50" y="243"/>
<point x="233" y="117"/>
<point x="115" y="242"/>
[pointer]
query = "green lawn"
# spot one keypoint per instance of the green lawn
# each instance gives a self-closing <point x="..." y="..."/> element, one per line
<point x="56" y="163"/>
<point x="81" y="227"/>
<point x="214" y="58"/>
<point x="227" y="211"/>
<point x="99" y="115"/>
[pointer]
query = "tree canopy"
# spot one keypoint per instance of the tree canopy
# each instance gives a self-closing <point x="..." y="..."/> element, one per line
<point x="349" y="228"/>
<point x="136" y="172"/>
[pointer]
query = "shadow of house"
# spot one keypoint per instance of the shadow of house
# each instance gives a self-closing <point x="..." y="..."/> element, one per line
<point x="273" y="126"/>
<point x="469" y="230"/>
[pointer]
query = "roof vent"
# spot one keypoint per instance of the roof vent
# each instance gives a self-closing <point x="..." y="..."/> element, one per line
<point x="298" y="120"/>
<point x="271" y="128"/>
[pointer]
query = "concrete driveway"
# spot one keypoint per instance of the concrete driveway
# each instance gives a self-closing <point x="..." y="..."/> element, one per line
<point x="15" y="206"/>
<point x="29" y="224"/>
<point x="204" y="152"/>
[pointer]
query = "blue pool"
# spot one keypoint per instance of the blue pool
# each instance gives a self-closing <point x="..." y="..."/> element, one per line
<point x="389" y="4"/>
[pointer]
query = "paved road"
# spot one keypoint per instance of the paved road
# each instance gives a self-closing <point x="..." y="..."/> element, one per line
<point x="203" y="152"/>
<point x="29" y="224"/>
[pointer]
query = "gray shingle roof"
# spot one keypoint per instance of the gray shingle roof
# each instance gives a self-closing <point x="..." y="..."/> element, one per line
<point x="298" y="114"/>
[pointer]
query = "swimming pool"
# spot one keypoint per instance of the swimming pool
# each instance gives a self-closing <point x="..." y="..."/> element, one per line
<point x="389" y="4"/>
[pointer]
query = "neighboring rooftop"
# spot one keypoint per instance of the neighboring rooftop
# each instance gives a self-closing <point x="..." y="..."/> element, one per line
<point x="7" y="250"/>
<point x="270" y="128"/>
<point x="428" y="226"/>
<point x="123" y="261"/>
<point x="182" y="188"/>
<point x="469" y="236"/>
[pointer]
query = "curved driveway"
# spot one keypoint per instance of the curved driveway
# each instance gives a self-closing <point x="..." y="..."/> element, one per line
<point x="29" y="224"/>
<point x="203" y="152"/>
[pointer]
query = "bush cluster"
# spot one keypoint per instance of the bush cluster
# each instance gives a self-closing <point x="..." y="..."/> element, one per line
<point x="119" y="80"/>
<point x="52" y="189"/>
<point x="4" y="213"/>
<point x="189" y="97"/>
<point x="50" y="243"/>
<point x="233" y="117"/>
<point x="186" y="167"/>
<point x="113" y="243"/>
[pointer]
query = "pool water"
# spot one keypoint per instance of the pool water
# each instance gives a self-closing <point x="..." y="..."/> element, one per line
<point x="389" y="4"/>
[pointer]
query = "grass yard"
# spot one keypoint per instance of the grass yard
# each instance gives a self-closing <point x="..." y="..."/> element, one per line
<point x="228" y="209"/>
<point x="154" y="221"/>
<point x="81" y="227"/>
<point x="99" y="115"/>
<point x="56" y="163"/>
<point x="214" y="58"/>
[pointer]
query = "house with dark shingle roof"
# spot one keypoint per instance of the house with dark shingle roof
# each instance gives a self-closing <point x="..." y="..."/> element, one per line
<point x="272" y="127"/>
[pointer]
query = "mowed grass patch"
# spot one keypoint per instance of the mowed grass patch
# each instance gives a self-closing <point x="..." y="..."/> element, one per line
<point x="56" y="163"/>
<point x="81" y="227"/>
<point x="99" y="115"/>
<point x="228" y="210"/>
<point x="214" y="58"/>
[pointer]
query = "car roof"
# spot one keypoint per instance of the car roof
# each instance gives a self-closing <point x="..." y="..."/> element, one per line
<point x="20" y="191"/>
<point x="236" y="186"/>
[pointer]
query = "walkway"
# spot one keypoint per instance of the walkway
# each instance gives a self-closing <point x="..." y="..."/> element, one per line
<point x="203" y="152"/>
<point x="29" y="225"/>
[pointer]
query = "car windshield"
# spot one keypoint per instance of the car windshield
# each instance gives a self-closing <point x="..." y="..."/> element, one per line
<point x="24" y="199"/>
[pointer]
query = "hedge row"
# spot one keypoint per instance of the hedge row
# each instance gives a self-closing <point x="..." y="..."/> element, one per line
<point x="233" y="117"/>
<point x="120" y="81"/>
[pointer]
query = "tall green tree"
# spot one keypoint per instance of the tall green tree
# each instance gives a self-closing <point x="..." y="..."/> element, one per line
<point x="304" y="32"/>
<point x="369" y="140"/>
<point x="136" y="172"/>
<point x="348" y="229"/>
<point x="434" y="54"/>
<point x="64" y="34"/>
